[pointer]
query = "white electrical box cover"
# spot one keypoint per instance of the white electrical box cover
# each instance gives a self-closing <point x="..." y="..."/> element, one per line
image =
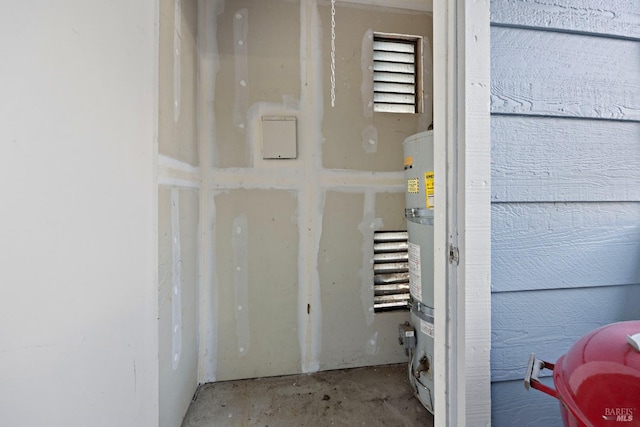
<point x="279" y="137"/>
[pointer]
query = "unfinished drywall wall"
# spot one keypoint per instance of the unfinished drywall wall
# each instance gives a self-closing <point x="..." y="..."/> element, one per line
<point x="177" y="301"/>
<point x="78" y="295"/>
<point x="353" y="332"/>
<point x="257" y="248"/>
<point x="258" y="46"/>
<point x="177" y="132"/>
<point x="178" y="208"/>
<point x="287" y="279"/>
<point x="355" y="137"/>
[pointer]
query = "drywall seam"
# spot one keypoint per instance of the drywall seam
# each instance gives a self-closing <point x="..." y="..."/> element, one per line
<point x="294" y="179"/>
<point x="208" y="66"/>
<point x="256" y="179"/>
<point x="240" y="245"/>
<point x="341" y="178"/>
<point x="310" y="199"/>
<point x="176" y="285"/>
<point x="176" y="182"/>
<point x="177" y="16"/>
<point x="304" y="222"/>
<point x="209" y="302"/>
<point x="360" y="188"/>
<point x="241" y="70"/>
<point x="312" y="97"/>
<point x="367" y="227"/>
<point x="315" y="294"/>
<point x="310" y="205"/>
<point x="177" y="62"/>
<point x="296" y="182"/>
<point x="172" y="172"/>
<point x="171" y="163"/>
<point x="311" y="92"/>
<point x="304" y="320"/>
<point x="366" y="63"/>
<point x="408" y="5"/>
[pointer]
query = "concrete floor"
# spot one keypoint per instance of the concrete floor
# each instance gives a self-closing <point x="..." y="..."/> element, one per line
<point x="375" y="396"/>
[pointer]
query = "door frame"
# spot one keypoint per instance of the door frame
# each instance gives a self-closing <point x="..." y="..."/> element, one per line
<point x="462" y="168"/>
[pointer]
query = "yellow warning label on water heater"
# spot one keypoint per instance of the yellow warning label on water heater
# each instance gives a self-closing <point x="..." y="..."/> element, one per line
<point x="413" y="185"/>
<point x="428" y="185"/>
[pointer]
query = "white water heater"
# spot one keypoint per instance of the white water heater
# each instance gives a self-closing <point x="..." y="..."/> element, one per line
<point x="417" y="336"/>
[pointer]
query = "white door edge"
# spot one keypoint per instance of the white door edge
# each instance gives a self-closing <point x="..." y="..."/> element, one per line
<point x="462" y="142"/>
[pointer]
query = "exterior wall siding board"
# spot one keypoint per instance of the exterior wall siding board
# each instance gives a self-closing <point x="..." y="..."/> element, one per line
<point x="564" y="245"/>
<point x="565" y="185"/>
<point x="545" y="73"/>
<point x="618" y="18"/>
<point x="548" y="322"/>
<point x="515" y="406"/>
<point x="543" y="159"/>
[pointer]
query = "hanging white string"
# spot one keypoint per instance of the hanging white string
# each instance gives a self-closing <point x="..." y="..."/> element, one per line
<point x="333" y="53"/>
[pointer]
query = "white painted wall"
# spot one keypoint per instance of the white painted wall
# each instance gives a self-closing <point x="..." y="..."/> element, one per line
<point x="78" y="227"/>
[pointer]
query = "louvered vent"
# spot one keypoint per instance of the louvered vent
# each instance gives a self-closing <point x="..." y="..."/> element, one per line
<point x="395" y="71"/>
<point x="390" y="270"/>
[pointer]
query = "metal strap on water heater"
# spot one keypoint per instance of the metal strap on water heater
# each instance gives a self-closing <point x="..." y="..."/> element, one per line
<point x="422" y="216"/>
<point x="422" y="311"/>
